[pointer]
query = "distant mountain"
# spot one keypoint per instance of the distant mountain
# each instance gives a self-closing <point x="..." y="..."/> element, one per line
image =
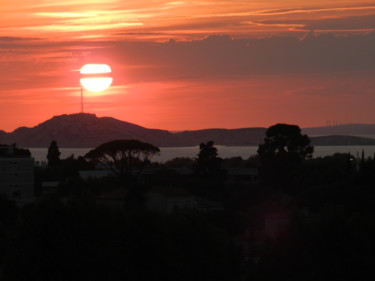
<point x="84" y="130"/>
<point x="344" y="130"/>
<point x="341" y="141"/>
<point x="88" y="130"/>
<point x="229" y="137"/>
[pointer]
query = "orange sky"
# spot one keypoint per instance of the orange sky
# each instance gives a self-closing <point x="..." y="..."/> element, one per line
<point x="190" y="64"/>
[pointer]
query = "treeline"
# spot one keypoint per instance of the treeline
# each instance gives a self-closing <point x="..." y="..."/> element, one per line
<point x="78" y="240"/>
<point x="304" y="218"/>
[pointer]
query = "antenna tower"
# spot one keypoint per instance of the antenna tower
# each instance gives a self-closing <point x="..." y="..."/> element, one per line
<point x="81" y="99"/>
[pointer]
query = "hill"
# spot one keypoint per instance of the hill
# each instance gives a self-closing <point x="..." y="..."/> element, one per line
<point x="341" y="141"/>
<point x="88" y="130"/>
<point x="84" y="130"/>
<point x="344" y="130"/>
<point x="229" y="137"/>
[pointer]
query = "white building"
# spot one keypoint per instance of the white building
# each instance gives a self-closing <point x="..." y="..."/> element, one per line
<point x="16" y="174"/>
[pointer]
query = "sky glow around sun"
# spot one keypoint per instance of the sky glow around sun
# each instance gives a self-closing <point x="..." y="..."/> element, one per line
<point x="184" y="65"/>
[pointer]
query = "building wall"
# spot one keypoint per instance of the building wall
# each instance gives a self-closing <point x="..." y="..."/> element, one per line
<point x="167" y="204"/>
<point x="17" y="177"/>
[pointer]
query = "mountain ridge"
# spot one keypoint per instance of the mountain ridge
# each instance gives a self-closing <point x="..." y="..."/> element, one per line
<point x="343" y="129"/>
<point x="88" y="130"/>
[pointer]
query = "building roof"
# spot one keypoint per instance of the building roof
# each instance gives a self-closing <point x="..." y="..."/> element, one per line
<point x="118" y="193"/>
<point x="170" y="191"/>
<point x="11" y="151"/>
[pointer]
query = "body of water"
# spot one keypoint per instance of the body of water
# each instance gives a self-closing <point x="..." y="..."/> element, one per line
<point x="168" y="153"/>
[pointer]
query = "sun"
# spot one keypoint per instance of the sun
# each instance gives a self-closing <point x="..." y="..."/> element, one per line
<point x="95" y="77"/>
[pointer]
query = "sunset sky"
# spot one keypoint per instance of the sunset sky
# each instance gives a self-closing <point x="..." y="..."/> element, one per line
<point x="188" y="65"/>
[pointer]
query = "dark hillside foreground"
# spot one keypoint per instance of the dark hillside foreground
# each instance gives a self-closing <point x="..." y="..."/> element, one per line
<point x="279" y="215"/>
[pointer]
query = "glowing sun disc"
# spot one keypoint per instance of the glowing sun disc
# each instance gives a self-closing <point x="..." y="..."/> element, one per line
<point x="95" y="69"/>
<point x="95" y="77"/>
<point x="96" y="84"/>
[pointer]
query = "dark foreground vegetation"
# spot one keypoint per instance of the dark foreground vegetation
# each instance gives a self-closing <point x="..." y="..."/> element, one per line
<point x="301" y="218"/>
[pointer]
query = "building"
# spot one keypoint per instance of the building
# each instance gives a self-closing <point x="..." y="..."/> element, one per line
<point x="242" y="175"/>
<point x="169" y="199"/>
<point x="16" y="174"/>
<point x="113" y="199"/>
<point x="95" y="174"/>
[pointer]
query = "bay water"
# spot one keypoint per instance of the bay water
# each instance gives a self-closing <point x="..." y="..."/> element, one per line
<point x="168" y="153"/>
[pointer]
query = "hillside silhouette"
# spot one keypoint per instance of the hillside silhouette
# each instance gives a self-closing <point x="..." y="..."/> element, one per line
<point x="88" y="130"/>
<point x="83" y="130"/>
<point x="344" y="129"/>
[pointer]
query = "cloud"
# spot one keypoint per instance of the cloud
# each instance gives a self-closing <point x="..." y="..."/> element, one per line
<point x="12" y="39"/>
<point x="309" y="10"/>
<point x="29" y="65"/>
<point x="223" y="56"/>
<point x="366" y="22"/>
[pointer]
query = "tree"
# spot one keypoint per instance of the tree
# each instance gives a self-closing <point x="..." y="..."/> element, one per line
<point x="123" y="157"/>
<point x="53" y="155"/>
<point x="208" y="162"/>
<point x="283" y="149"/>
<point x="285" y="141"/>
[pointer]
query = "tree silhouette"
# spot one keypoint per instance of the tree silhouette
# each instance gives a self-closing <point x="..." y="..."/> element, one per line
<point x="283" y="149"/>
<point x="208" y="162"/>
<point x="123" y="157"/>
<point x="53" y="155"/>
